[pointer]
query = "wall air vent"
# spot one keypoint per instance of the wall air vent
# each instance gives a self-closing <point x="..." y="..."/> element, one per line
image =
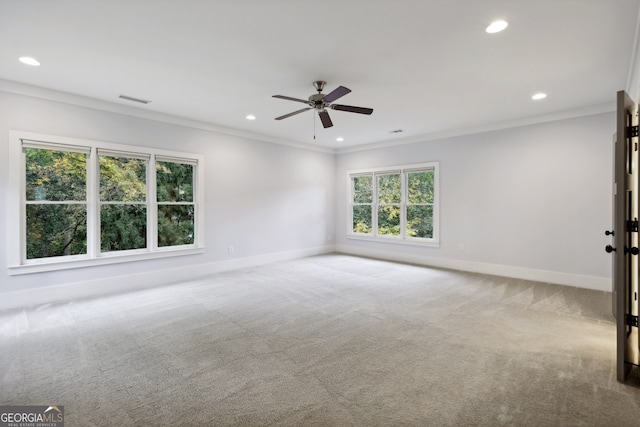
<point x="396" y="131"/>
<point x="132" y="99"/>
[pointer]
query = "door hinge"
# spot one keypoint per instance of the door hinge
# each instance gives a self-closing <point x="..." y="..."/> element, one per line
<point x="632" y="320"/>
<point x="632" y="131"/>
<point x="632" y="226"/>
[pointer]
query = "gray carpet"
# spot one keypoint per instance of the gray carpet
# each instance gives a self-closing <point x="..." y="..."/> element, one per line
<point x="324" y="341"/>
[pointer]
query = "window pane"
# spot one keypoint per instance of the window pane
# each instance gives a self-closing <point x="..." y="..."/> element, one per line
<point x="55" y="175"/>
<point x="420" y="221"/>
<point x="420" y="187"/>
<point x="389" y="220"/>
<point x="362" y="219"/>
<point x="362" y="189"/>
<point x="389" y="188"/>
<point x="174" y="182"/>
<point x="175" y="225"/>
<point x="56" y="230"/>
<point x="123" y="227"/>
<point x="123" y="179"/>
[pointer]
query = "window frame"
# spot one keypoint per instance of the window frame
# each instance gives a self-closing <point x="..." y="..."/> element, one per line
<point x="378" y="204"/>
<point x="147" y="202"/>
<point x="36" y="145"/>
<point x="16" y="224"/>
<point x="351" y="203"/>
<point x="404" y="171"/>
<point x="157" y="203"/>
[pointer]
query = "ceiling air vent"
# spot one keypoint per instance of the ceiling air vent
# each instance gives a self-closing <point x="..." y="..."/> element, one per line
<point x="132" y="99"/>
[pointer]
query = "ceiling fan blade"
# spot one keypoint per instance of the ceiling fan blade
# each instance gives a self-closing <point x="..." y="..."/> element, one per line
<point x="352" y="109"/>
<point x="325" y="119"/>
<point x="288" y="98"/>
<point x="338" y="92"/>
<point x="293" y="114"/>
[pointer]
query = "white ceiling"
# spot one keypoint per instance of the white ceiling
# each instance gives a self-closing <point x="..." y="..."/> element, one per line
<point x="425" y="66"/>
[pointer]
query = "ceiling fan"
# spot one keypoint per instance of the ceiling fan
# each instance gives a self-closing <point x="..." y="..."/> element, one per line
<point x="320" y="102"/>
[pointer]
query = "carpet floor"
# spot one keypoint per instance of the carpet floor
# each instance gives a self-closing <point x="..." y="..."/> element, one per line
<point x="332" y="340"/>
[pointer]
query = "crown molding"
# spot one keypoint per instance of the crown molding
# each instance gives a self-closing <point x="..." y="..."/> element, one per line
<point x="634" y="67"/>
<point x="507" y="124"/>
<point x="97" y="104"/>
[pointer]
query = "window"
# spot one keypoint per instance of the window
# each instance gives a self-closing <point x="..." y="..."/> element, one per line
<point x="123" y="201"/>
<point x="389" y="196"/>
<point x="420" y="201"/>
<point x="397" y="204"/>
<point x="176" y="208"/>
<point x="56" y="202"/>
<point x="362" y="203"/>
<point x="79" y="203"/>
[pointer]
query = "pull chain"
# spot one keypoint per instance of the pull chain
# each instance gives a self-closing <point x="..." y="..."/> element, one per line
<point x="314" y="126"/>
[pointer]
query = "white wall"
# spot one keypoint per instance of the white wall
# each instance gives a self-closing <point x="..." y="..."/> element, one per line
<point x="530" y="202"/>
<point x="269" y="201"/>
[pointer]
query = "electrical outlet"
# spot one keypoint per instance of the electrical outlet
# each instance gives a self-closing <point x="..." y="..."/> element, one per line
<point x="461" y="247"/>
<point x="230" y="250"/>
<point x="329" y="237"/>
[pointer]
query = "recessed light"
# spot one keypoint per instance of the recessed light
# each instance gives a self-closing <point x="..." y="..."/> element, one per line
<point x="539" y="96"/>
<point x="497" y="26"/>
<point x="29" y="61"/>
<point x="251" y="117"/>
<point x="339" y="139"/>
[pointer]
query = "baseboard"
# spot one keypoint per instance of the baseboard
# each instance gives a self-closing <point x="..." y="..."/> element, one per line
<point x="555" y="277"/>
<point x="144" y="280"/>
<point x="150" y="279"/>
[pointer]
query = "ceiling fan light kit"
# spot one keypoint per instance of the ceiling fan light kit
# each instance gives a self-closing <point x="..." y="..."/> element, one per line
<point x="321" y="102"/>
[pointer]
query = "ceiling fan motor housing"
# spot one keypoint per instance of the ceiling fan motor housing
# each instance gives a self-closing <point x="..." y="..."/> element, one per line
<point x="317" y="101"/>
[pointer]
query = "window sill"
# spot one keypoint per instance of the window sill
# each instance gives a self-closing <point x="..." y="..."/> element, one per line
<point x="111" y="258"/>
<point x="395" y="240"/>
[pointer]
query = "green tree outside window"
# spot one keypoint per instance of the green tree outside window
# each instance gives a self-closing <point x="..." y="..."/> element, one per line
<point x="176" y="210"/>
<point x="56" y="209"/>
<point x="362" y="190"/>
<point x="400" y="203"/>
<point x="123" y="210"/>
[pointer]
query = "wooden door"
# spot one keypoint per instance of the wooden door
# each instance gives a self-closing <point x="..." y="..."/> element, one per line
<point x="625" y="236"/>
